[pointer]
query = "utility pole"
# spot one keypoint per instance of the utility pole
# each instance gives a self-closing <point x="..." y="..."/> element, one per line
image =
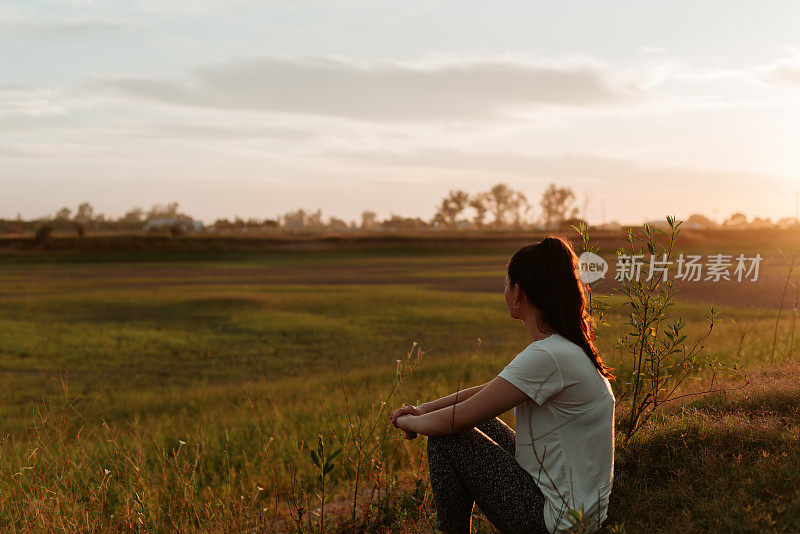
<point x="586" y="207"/>
<point x="603" y="203"/>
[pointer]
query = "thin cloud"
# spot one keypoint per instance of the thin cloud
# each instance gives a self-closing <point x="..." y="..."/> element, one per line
<point x="653" y="49"/>
<point x="30" y="101"/>
<point x="579" y="167"/>
<point x="76" y="27"/>
<point x="191" y="131"/>
<point x="386" y="90"/>
<point x="784" y="72"/>
<point x="6" y="152"/>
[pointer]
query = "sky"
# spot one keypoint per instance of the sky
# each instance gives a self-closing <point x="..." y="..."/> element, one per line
<point x="256" y="108"/>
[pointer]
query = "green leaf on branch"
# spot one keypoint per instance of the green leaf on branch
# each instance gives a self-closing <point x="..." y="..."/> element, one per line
<point x="334" y="454"/>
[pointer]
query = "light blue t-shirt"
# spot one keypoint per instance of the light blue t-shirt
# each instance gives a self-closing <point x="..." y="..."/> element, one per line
<point x="565" y="429"/>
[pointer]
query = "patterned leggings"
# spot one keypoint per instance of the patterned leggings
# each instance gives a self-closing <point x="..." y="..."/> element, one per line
<point x="478" y="466"/>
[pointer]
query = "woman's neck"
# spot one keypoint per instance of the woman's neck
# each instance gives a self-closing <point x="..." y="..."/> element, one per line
<point x="534" y="331"/>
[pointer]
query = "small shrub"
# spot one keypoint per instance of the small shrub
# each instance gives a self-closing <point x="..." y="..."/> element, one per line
<point x="43" y="234"/>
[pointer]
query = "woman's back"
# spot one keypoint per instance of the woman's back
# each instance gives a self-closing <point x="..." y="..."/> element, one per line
<point x="565" y="430"/>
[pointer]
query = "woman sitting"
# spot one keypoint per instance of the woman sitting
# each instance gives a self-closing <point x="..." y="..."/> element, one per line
<point x="561" y="456"/>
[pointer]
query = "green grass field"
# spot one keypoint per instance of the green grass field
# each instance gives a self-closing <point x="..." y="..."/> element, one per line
<point x="161" y="395"/>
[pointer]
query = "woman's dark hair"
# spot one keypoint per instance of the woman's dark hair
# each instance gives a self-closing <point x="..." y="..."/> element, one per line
<point x="548" y="273"/>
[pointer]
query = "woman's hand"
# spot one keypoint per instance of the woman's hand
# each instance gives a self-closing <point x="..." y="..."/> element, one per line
<point x="405" y="410"/>
<point x="403" y="423"/>
<point x="413" y="410"/>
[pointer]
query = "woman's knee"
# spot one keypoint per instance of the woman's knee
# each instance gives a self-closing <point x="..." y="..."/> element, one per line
<point x="499" y="432"/>
<point x="452" y="441"/>
<point x="439" y="442"/>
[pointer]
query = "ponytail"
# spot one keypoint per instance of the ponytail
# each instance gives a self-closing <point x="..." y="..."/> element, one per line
<point x="549" y="274"/>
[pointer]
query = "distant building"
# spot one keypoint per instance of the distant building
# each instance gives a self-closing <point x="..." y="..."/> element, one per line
<point x="611" y="226"/>
<point x="159" y="223"/>
<point x="154" y="224"/>
<point x="294" y="225"/>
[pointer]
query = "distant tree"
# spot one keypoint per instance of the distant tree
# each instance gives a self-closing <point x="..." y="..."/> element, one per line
<point x="758" y="222"/>
<point x="397" y="222"/>
<point x="478" y="204"/>
<point x="451" y="207"/>
<point x="518" y="209"/>
<point x="557" y="206"/>
<point x="369" y="220"/>
<point x="133" y="216"/>
<point x="159" y="211"/>
<point x="271" y="224"/>
<point x="63" y="214"/>
<point x="337" y="225"/>
<point x="701" y="220"/>
<point x="506" y="205"/>
<point x="79" y="227"/>
<point x="176" y="230"/>
<point x="294" y="220"/>
<point x="314" y="220"/>
<point x="85" y="213"/>
<point x="498" y="201"/>
<point x="222" y="225"/>
<point x="736" y="219"/>
<point x="43" y="234"/>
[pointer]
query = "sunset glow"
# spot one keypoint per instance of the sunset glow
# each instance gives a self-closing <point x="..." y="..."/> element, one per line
<point x="253" y="109"/>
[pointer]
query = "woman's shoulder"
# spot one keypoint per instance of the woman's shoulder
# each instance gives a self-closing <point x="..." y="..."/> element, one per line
<point x="568" y="355"/>
<point x="556" y="344"/>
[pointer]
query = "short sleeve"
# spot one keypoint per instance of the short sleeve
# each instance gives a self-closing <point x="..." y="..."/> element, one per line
<point x="535" y="372"/>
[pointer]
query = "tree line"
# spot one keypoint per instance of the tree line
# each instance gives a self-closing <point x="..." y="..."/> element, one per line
<point x="506" y="207"/>
<point x="85" y="218"/>
<point x="498" y="208"/>
<point x="501" y="207"/>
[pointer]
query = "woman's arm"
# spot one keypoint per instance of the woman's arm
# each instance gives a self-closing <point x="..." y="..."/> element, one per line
<point x="449" y="400"/>
<point x="427" y="407"/>
<point x="496" y="398"/>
